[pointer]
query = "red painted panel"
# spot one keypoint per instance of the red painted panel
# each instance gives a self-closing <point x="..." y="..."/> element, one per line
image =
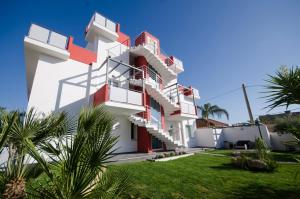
<point x="162" y="117"/>
<point x="81" y="54"/>
<point x="144" y="141"/>
<point x="176" y="112"/>
<point x="142" y="39"/>
<point x="101" y="95"/>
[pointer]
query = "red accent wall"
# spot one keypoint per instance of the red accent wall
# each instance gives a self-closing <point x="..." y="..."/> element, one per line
<point x="142" y="39"/>
<point x="144" y="140"/>
<point x="101" y="95"/>
<point x="80" y="54"/>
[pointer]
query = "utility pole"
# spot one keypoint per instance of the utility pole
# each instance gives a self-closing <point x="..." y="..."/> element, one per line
<point x="248" y="104"/>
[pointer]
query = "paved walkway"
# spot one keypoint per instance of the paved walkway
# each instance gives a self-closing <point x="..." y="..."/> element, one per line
<point x="138" y="157"/>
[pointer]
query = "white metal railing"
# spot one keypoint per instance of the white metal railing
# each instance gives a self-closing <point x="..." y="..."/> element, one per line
<point x="123" y="95"/>
<point x="196" y="93"/>
<point x="175" y="64"/>
<point x="118" y="52"/>
<point x="172" y="92"/>
<point x="102" y="21"/>
<point x="47" y="36"/>
<point x="188" y="108"/>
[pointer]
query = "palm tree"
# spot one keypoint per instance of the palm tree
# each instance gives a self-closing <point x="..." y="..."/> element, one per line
<point x="283" y="88"/>
<point x="78" y="159"/>
<point x="17" y="168"/>
<point x="212" y="110"/>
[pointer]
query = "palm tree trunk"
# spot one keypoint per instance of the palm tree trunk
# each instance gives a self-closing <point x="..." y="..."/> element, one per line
<point x="15" y="189"/>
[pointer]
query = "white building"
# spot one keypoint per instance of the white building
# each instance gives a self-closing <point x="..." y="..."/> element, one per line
<point x="137" y="83"/>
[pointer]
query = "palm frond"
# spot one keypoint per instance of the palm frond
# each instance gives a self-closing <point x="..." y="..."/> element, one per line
<point x="283" y="88"/>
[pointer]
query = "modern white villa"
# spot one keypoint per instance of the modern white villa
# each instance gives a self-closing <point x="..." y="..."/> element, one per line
<point x="135" y="80"/>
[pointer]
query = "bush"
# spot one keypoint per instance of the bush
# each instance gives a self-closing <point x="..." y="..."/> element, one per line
<point x="240" y="161"/>
<point x="259" y="161"/>
<point x="172" y="154"/>
<point x="261" y="149"/>
<point x="159" y="156"/>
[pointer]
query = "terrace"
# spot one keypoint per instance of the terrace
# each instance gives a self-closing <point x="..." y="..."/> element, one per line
<point x="117" y="93"/>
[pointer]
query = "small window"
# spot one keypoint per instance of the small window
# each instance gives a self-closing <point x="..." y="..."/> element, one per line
<point x="132" y="132"/>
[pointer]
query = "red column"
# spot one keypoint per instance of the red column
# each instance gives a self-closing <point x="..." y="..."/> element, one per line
<point x="162" y="117"/>
<point x="144" y="140"/>
<point x="141" y="62"/>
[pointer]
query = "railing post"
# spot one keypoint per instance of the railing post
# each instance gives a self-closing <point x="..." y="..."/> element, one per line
<point x="177" y="93"/>
<point x="107" y="71"/>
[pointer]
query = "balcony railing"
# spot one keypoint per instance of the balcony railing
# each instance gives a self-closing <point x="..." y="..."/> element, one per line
<point x="47" y="36"/>
<point x="124" y="95"/>
<point x="175" y="64"/>
<point x="102" y="21"/>
<point x="188" y="108"/>
<point x="118" y="52"/>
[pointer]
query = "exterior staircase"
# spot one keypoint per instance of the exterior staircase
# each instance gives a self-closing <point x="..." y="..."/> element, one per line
<point x="155" y="131"/>
<point x="155" y="60"/>
<point x="155" y="92"/>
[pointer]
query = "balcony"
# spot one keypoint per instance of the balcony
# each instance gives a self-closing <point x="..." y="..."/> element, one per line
<point x="117" y="92"/>
<point x="147" y="46"/>
<point x="121" y="101"/>
<point x="187" y="108"/>
<point x="175" y="64"/>
<point x="43" y="40"/>
<point x="187" y="111"/>
<point x="99" y="25"/>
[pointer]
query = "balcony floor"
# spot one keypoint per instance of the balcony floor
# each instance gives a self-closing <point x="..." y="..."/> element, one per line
<point x="119" y="108"/>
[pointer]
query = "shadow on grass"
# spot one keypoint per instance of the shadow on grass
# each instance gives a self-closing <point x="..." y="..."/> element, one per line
<point x="255" y="191"/>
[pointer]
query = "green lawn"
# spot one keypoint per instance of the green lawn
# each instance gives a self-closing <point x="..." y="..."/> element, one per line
<point x="278" y="156"/>
<point x="206" y="176"/>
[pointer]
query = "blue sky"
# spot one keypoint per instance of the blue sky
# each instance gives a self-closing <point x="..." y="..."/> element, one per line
<point x="223" y="43"/>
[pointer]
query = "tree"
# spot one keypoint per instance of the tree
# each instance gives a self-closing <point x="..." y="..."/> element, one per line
<point x="78" y="159"/>
<point x="17" y="167"/>
<point x="283" y="88"/>
<point x="289" y="125"/>
<point x="212" y="110"/>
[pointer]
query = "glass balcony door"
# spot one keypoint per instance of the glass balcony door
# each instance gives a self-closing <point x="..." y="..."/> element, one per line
<point x="155" y="112"/>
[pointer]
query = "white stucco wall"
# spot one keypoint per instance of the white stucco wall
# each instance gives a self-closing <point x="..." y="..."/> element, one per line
<point x="123" y="131"/>
<point x="208" y="137"/>
<point x="234" y="134"/>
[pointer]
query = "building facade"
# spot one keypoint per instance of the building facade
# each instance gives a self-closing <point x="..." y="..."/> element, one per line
<point x="134" y="80"/>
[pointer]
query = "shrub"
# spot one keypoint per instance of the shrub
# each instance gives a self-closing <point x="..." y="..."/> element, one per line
<point x="252" y="162"/>
<point x="261" y="149"/>
<point x="256" y="164"/>
<point x="172" y="154"/>
<point x="240" y="161"/>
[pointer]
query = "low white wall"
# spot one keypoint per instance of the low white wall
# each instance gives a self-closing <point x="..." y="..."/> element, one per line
<point x="234" y="134"/>
<point x="205" y="138"/>
<point x="208" y="137"/>
<point x="279" y="141"/>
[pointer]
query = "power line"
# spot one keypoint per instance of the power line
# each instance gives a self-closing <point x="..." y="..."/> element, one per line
<point x="231" y="91"/>
<point x="222" y="94"/>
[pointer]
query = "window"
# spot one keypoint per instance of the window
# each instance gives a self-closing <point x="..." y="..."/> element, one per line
<point x="188" y="129"/>
<point x="133" y="132"/>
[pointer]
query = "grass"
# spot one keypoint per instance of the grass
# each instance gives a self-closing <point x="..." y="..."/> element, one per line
<point x="278" y="156"/>
<point x="206" y="176"/>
